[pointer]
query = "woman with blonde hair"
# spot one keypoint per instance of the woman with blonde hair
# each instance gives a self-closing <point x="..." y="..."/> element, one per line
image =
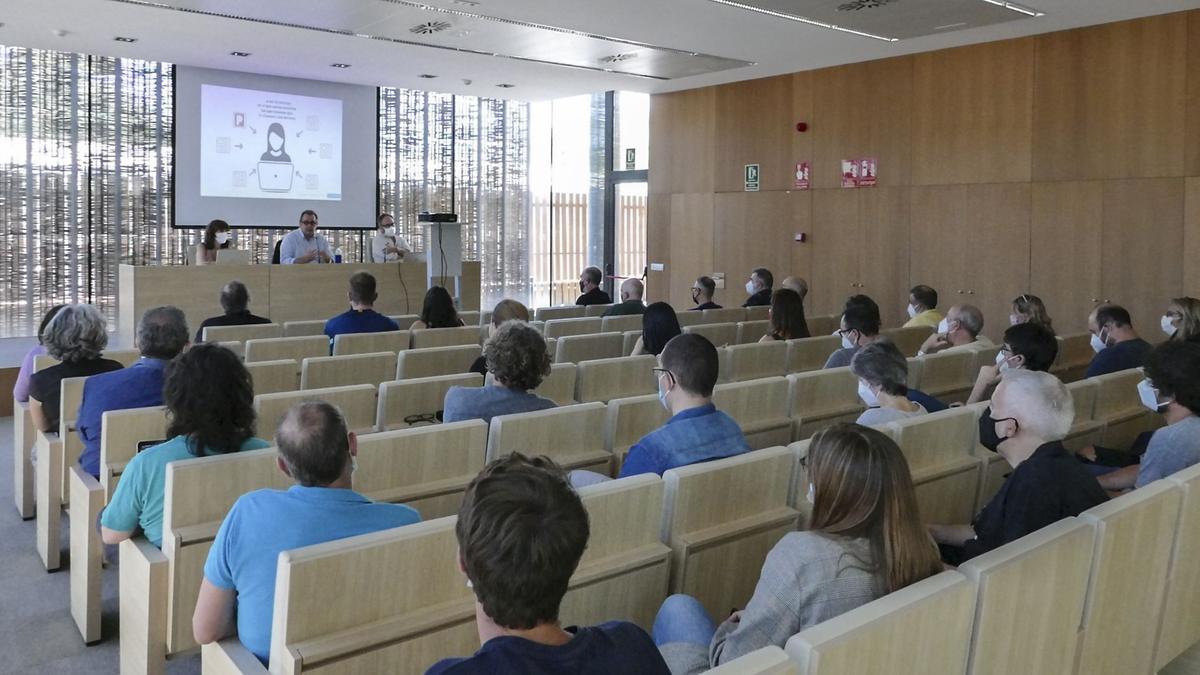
<point x="865" y="540"/>
<point x="1029" y="309"/>
<point x="1182" y="320"/>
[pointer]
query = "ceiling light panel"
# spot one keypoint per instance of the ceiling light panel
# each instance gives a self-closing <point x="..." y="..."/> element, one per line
<point x="464" y="28"/>
<point x="890" y="20"/>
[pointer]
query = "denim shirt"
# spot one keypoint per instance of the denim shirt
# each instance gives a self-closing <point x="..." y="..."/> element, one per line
<point x="693" y="435"/>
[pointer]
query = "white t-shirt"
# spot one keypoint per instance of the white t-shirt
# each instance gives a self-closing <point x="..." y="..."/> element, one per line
<point x="380" y="241"/>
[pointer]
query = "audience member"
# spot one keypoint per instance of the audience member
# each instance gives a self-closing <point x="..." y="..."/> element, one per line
<point x="517" y="358"/>
<point x="303" y="244"/>
<point x="922" y="307"/>
<point x="703" y="290"/>
<point x="787" y="317"/>
<point x="860" y="326"/>
<point x="521" y="532"/>
<point x="1028" y="308"/>
<point x="235" y="300"/>
<point x="1030" y="414"/>
<point x="759" y="288"/>
<point x="863" y="540"/>
<point x="1029" y="346"/>
<point x="1172" y="389"/>
<point x="317" y="452"/>
<point x="631" y="299"/>
<point x="1117" y="345"/>
<point x="882" y="373"/>
<point x="504" y="311"/>
<point x="958" y="331"/>
<point x="388" y="246"/>
<point x="589" y="288"/>
<point x="1182" y="320"/>
<point x="361" y="317"/>
<point x="218" y="236"/>
<point x="76" y="336"/>
<point x="697" y="431"/>
<point x="437" y="311"/>
<point x="21" y="387"/>
<point x="162" y="334"/>
<point x="659" y="326"/>
<point x="797" y="285"/>
<point x="210" y="403"/>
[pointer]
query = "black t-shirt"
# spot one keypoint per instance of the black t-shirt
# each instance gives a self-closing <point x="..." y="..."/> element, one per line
<point x="594" y="297"/>
<point x="613" y="647"/>
<point x="45" y="385"/>
<point x="244" y="318"/>
<point x="759" y="299"/>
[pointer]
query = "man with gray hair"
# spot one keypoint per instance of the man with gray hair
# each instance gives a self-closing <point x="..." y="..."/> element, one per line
<point x="235" y="301"/>
<point x="161" y="335"/>
<point x="958" y="331"/>
<point x="631" y="299"/>
<point x="317" y="452"/>
<point x="1031" y="413"/>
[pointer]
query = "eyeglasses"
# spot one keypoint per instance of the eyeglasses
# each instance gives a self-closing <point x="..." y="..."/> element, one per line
<point x="308" y="222"/>
<point x="662" y="371"/>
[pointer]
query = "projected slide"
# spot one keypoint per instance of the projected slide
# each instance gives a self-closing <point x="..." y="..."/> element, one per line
<point x="269" y="145"/>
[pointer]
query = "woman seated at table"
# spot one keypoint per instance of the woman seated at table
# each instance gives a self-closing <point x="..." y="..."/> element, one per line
<point x="218" y="236"/>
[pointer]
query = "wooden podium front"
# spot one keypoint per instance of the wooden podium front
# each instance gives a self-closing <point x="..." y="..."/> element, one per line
<point x="279" y="292"/>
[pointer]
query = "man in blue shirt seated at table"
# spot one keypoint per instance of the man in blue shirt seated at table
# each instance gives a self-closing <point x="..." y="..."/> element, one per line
<point x="361" y="317"/>
<point x="161" y="335"/>
<point x="303" y="245"/>
<point x="697" y="431"/>
<point x="1117" y="345"/>
<point x="317" y="452"/>
<point x="521" y="531"/>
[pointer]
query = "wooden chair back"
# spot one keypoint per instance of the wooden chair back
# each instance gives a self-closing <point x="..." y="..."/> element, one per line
<point x="322" y="372"/>
<point x="756" y="360"/>
<point x="605" y="379"/>
<point x="822" y="398"/>
<point x="242" y="333"/>
<point x="271" y="377"/>
<point x="303" y="328"/>
<point x="808" y="354"/>
<point x="750" y="332"/>
<point x="357" y="403"/>
<point x="274" y="349"/>
<point x="577" y="348"/>
<point x="1180" y="625"/>
<point x="560" y="328"/>
<point x="760" y="408"/>
<point x="415" y="363"/>
<point x="552" y="313"/>
<point x="908" y="340"/>
<point x="724" y="315"/>
<point x="629" y="419"/>
<point x="368" y="343"/>
<point x="720" y="334"/>
<point x="445" y="337"/>
<point x="405" y="403"/>
<point x="572" y="435"/>
<point x="620" y="324"/>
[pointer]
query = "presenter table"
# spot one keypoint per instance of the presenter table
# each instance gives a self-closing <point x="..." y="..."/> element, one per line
<point x="279" y="292"/>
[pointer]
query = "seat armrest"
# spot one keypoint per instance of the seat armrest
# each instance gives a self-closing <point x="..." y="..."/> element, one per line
<point x="229" y="657"/>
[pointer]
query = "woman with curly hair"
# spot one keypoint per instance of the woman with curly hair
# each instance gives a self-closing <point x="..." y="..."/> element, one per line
<point x="75" y="336"/>
<point x="210" y="404"/>
<point x="518" y="361"/>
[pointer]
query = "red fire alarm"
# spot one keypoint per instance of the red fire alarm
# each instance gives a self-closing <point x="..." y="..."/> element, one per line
<point x="802" y="126"/>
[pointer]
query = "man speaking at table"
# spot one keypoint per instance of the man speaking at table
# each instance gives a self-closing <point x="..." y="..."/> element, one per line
<point x="303" y="245"/>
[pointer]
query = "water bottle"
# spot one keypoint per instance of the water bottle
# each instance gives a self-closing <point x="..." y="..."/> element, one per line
<point x="337" y="255"/>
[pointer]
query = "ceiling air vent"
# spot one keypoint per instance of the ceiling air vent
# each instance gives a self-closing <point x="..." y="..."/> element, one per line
<point x="858" y="5"/>
<point x="430" y="27"/>
<point x="619" y="58"/>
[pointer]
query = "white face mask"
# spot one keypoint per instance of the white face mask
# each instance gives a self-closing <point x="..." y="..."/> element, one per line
<point x="1002" y="362"/>
<point x="810" y="494"/>
<point x="390" y="231"/>
<point x="1168" y="325"/>
<point x="222" y="238"/>
<point x="1149" y="395"/>
<point x="943" y="327"/>
<point x="749" y="288"/>
<point x="912" y="312"/>
<point x="869" y="398"/>
<point x="662" y="397"/>
<point x="847" y="343"/>
<point x="1014" y="319"/>
<point x="1097" y="343"/>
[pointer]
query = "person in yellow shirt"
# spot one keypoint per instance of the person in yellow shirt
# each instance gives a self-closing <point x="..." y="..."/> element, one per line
<point x="922" y="307"/>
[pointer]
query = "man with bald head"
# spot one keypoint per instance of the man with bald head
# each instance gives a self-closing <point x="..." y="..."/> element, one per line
<point x="797" y="284"/>
<point x="961" y="329"/>
<point x="235" y="301"/>
<point x="317" y="452"/>
<point x="631" y="299"/>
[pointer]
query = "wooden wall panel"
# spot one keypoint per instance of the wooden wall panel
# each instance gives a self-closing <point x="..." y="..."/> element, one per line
<point x="1065" y="249"/>
<point x="801" y="259"/>
<point x="1191" y="238"/>
<point x="691" y="245"/>
<point x="972" y="114"/>
<point x="863" y="110"/>
<point x="1111" y="101"/>
<point x="803" y="110"/>
<point x="756" y="127"/>
<point x="1192" y="135"/>
<point x="1142" y="257"/>
<point x="835" y="250"/>
<point x="682" y="129"/>
<point x="994" y="250"/>
<point x="883" y="264"/>
<point x="659" y="230"/>
<point x="936" y="214"/>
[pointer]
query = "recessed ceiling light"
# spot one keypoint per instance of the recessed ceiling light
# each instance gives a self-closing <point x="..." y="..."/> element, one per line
<point x="506" y="86"/>
<point x="125" y="39"/>
<point x="426" y="76"/>
<point x="340" y="65"/>
<point x="239" y="54"/>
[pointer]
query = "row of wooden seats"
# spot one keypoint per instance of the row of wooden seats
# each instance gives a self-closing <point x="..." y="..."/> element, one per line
<point x="724" y="315"/>
<point x="1048" y="603"/>
<point x="308" y="328"/>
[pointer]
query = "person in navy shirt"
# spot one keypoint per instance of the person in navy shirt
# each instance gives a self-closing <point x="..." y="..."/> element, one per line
<point x="161" y="335"/>
<point x="1117" y="345"/>
<point x="697" y="431"/>
<point x="316" y="451"/>
<point x="521" y="531"/>
<point x="361" y="317"/>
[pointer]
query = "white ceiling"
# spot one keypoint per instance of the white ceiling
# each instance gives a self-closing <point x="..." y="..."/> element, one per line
<point x="774" y="45"/>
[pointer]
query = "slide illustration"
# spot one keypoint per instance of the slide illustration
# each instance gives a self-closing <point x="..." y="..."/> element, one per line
<point x="269" y="145"/>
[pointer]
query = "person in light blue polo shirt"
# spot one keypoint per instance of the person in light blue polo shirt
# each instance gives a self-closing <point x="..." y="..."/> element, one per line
<point x="361" y="317"/>
<point x="316" y="451"/>
<point x="161" y="335"/>
<point x="210" y="397"/>
<point x="697" y="431"/>
<point x="303" y="245"/>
